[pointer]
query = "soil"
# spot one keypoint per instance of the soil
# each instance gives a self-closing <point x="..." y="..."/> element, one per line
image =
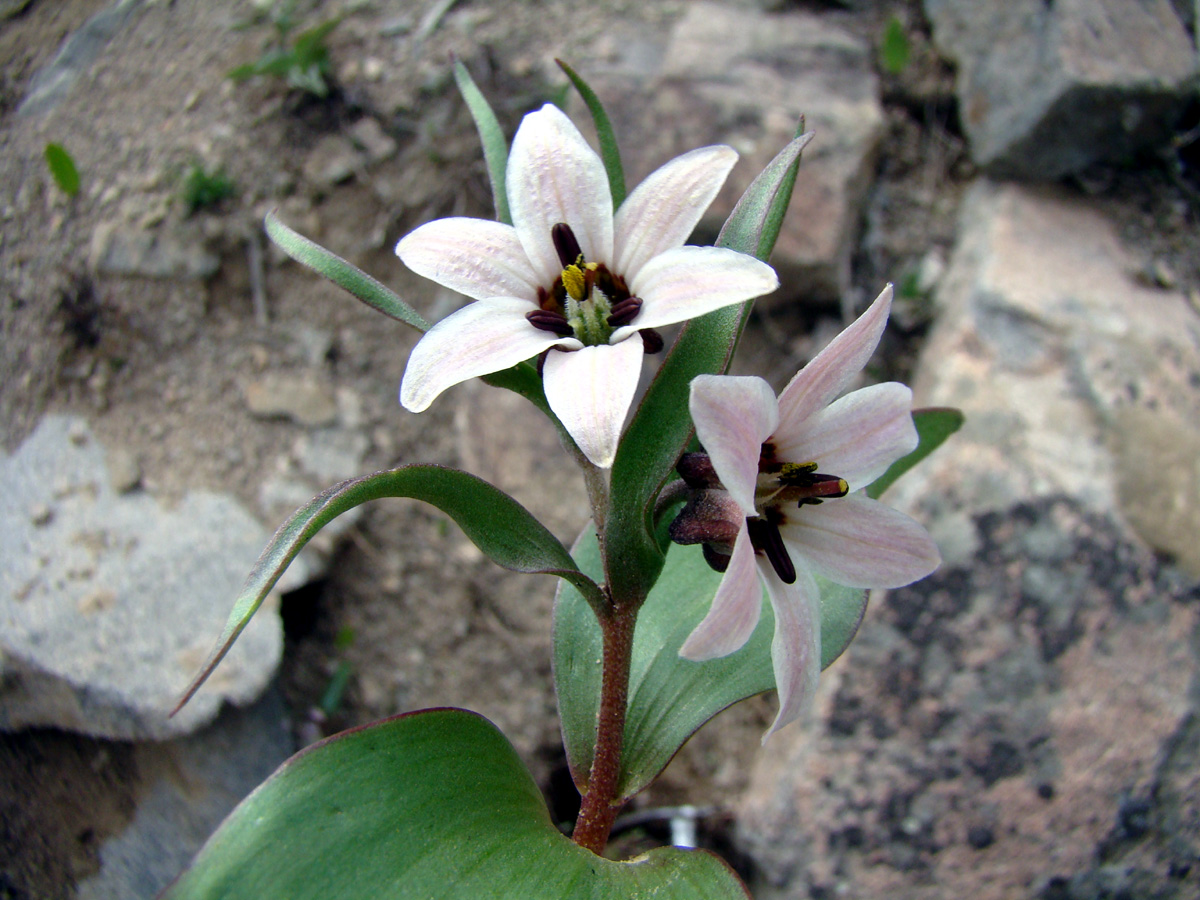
<point x="159" y="365"/>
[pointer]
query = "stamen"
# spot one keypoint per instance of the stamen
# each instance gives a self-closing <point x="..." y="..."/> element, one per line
<point x="624" y="311"/>
<point x="765" y="537"/>
<point x="652" y="341"/>
<point x="566" y="244"/>
<point x="549" y="320"/>
<point x="697" y="471"/>
<point x="717" y="561"/>
<point x="710" y="517"/>
<point x="575" y="282"/>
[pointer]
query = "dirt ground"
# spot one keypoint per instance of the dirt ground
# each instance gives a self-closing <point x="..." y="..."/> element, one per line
<point x="159" y="365"/>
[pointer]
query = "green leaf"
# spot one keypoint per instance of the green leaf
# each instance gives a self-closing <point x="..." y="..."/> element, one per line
<point x="662" y="427"/>
<point x="670" y="697"/>
<point x="491" y="135"/>
<point x="894" y="50"/>
<point x="62" y="169"/>
<point x="433" y="804"/>
<point x="494" y="521"/>
<point x="343" y="274"/>
<point x="609" y="151"/>
<point x="934" y="427"/>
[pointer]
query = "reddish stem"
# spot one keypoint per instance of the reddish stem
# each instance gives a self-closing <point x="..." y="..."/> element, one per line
<point x="600" y="804"/>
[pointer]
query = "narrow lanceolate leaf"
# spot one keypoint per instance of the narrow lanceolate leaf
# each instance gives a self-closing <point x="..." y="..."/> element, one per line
<point x="342" y="273"/>
<point x="491" y="135"/>
<point x="934" y="427"/>
<point x="661" y="428"/>
<point x="433" y="804"/>
<point x="494" y="521"/>
<point x="670" y="697"/>
<point x="62" y="169"/>
<point x="609" y="151"/>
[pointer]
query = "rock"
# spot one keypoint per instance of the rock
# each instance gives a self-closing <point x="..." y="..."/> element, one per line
<point x="1023" y="722"/>
<point x="119" y="249"/>
<point x="369" y="137"/>
<point x="300" y="398"/>
<point x="78" y="52"/>
<point x="332" y="160"/>
<point x="1047" y="89"/>
<point x="1006" y="728"/>
<point x="744" y="78"/>
<point x="188" y="787"/>
<point x="1076" y="378"/>
<point x="111" y="602"/>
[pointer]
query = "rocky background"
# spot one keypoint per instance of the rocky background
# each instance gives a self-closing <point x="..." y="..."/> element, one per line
<point x="1022" y="724"/>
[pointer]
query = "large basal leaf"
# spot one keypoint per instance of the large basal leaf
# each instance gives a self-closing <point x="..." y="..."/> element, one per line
<point x="934" y="427"/>
<point x="433" y="805"/>
<point x="498" y="525"/>
<point x="661" y="427"/>
<point x="669" y="697"/>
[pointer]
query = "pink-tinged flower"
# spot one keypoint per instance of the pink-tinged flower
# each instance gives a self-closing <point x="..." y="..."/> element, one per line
<point x="778" y="499"/>
<point x="571" y="278"/>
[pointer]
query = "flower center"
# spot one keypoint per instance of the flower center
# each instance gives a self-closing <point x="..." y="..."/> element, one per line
<point x="586" y="301"/>
<point x="779" y="485"/>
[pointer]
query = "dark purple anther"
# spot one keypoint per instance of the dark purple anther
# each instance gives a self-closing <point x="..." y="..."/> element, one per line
<point x="624" y="311"/>
<point x="652" y="341"/>
<point x="566" y="245"/>
<point x="549" y="320"/>
<point x="765" y="536"/>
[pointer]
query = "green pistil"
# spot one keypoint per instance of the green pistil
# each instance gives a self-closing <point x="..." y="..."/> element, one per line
<point x="587" y="307"/>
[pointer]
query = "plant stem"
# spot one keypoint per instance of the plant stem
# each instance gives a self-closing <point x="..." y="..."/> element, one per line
<point x="600" y="804"/>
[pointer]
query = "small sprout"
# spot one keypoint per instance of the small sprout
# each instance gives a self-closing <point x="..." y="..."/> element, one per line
<point x="202" y="188"/>
<point x="62" y="168"/>
<point x="303" y="63"/>
<point x="895" y="50"/>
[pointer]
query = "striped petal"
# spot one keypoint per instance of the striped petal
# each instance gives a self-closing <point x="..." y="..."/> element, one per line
<point x="733" y="416"/>
<point x="554" y="176"/>
<point x="735" y="607"/>
<point x="590" y="390"/>
<point x="482" y="337"/>
<point x="856" y="437"/>
<point x="664" y="209"/>
<point x="476" y="257"/>
<point x="860" y="542"/>
<point x="796" y="646"/>
<point x="833" y="369"/>
<point x="687" y="282"/>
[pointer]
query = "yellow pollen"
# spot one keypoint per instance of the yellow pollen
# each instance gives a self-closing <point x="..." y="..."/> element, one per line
<point x="573" y="281"/>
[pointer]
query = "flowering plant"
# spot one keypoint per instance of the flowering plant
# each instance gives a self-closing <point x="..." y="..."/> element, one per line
<point x="660" y="618"/>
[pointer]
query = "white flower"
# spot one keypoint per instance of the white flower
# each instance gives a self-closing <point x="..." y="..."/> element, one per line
<point x="570" y="277"/>
<point x="779" y="500"/>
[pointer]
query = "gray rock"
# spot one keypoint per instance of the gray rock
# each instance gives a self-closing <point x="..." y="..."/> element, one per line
<point x="1046" y="89"/>
<point x="1021" y="722"/>
<point x="188" y="787"/>
<point x="110" y="603"/>
<point x="76" y="56"/>
<point x="332" y="160"/>
<point x="120" y="249"/>
<point x="743" y="77"/>
<point x="1076" y="378"/>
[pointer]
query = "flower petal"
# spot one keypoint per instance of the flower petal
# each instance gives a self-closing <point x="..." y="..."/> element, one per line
<point x="476" y="257"/>
<point x="857" y="436"/>
<point x="735" y="607"/>
<point x="590" y="390"/>
<point x="690" y="281"/>
<point x="860" y="542"/>
<point x="796" y="646"/>
<point x="662" y="211"/>
<point x="554" y="176"/>
<point x="733" y="416"/>
<point x="482" y="337"/>
<point x="832" y="370"/>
